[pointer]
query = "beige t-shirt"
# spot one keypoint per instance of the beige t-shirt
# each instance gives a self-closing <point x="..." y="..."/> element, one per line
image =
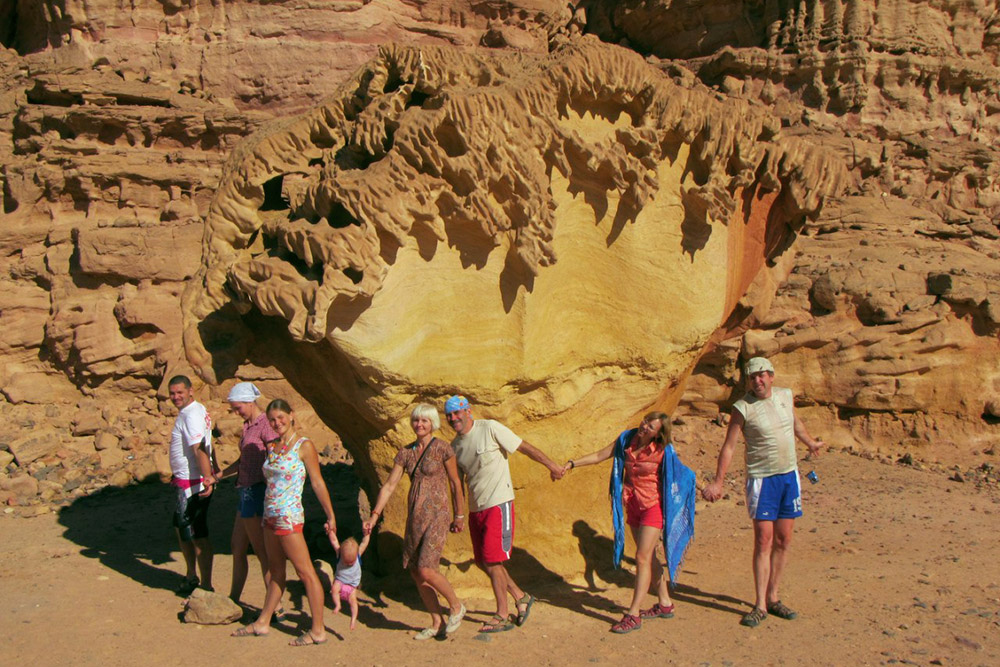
<point x="769" y="431"/>
<point x="482" y="455"/>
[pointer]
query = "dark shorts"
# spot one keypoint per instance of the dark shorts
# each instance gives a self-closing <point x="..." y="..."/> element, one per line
<point x="492" y="532"/>
<point x="250" y="503"/>
<point x="191" y="516"/>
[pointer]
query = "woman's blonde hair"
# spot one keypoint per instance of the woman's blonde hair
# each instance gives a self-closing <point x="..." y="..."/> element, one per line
<point x="427" y="411"/>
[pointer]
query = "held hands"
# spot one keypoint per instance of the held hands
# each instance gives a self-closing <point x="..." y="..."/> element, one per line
<point x="457" y="524"/>
<point x="366" y="527"/>
<point x="331" y="533"/>
<point x="556" y="473"/>
<point x="712" y="491"/>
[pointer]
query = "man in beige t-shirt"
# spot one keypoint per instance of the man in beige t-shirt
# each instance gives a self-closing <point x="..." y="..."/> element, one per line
<point x="766" y="416"/>
<point x="481" y="449"/>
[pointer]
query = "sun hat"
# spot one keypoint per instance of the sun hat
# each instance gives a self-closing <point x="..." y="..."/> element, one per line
<point x="759" y="365"/>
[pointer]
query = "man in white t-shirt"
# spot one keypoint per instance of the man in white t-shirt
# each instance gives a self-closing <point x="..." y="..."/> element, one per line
<point x="481" y="449"/>
<point x="193" y="480"/>
<point x="766" y="416"/>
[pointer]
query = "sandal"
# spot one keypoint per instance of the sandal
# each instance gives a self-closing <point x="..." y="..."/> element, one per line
<point x="627" y="624"/>
<point x="497" y="623"/>
<point x="306" y="639"/>
<point x="522" y="615"/>
<point x="247" y="631"/>
<point x="781" y="611"/>
<point x="754" y="618"/>
<point x="658" y="611"/>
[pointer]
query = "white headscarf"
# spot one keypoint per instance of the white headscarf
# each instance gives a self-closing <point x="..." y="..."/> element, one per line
<point x="244" y="392"/>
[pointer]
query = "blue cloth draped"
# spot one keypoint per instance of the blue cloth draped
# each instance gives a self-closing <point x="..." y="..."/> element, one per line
<point x="677" y="493"/>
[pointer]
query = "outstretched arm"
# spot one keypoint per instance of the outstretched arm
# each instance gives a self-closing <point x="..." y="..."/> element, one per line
<point x="590" y="459"/>
<point x="364" y="543"/>
<point x="535" y="454"/>
<point x="814" y="444"/>
<point x="383" y="497"/>
<point x="308" y="456"/>
<point x="713" y="490"/>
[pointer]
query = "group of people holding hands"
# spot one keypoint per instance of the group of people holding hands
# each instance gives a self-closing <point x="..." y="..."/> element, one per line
<point x="652" y="492"/>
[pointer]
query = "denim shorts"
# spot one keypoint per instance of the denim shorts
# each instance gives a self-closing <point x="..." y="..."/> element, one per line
<point x="251" y="500"/>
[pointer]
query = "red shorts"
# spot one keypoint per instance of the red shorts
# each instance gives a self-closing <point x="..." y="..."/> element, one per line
<point x="636" y="516"/>
<point x="492" y="532"/>
<point x="281" y="526"/>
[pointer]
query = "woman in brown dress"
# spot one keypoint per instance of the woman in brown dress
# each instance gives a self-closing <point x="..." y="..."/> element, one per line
<point x="430" y="463"/>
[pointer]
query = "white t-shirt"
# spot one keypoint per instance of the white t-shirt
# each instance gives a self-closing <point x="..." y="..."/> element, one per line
<point x="770" y="432"/>
<point x="482" y="456"/>
<point x="192" y="426"/>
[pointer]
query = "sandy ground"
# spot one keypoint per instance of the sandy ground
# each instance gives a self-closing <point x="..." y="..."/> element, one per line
<point x="890" y="565"/>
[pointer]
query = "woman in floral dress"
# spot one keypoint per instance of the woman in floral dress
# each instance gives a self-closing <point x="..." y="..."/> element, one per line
<point x="430" y="463"/>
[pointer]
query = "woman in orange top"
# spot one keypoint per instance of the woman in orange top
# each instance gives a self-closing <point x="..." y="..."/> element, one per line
<point x="638" y="477"/>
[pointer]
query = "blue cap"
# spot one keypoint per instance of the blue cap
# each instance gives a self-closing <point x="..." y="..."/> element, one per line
<point x="456" y="403"/>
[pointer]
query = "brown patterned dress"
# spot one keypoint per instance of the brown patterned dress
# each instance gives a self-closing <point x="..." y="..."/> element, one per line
<point x="429" y="514"/>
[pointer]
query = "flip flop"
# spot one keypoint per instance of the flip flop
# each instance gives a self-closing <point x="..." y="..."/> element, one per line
<point x="247" y="631"/>
<point x="527" y="601"/>
<point x="496" y="624"/>
<point x="306" y="639"/>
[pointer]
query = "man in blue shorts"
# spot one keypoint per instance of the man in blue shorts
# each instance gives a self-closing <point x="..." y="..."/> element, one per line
<point x="766" y="416"/>
<point x="481" y="449"/>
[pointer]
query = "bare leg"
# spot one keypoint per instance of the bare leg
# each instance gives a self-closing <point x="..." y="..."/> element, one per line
<point x="337" y="586"/>
<point x="502" y="585"/>
<point x="205" y="555"/>
<point x="296" y="550"/>
<point x="276" y="584"/>
<point x="238" y="544"/>
<point x="763" y="538"/>
<point x="440" y="584"/>
<point x="187" y="550"/>
<point x="352" y="600"/>
<point x="428" y="595"/>
<point x="646" y="538"/>
<point x="779" y="555"/>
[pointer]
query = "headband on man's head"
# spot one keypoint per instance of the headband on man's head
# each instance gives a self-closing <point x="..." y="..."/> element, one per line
<point x="456" y="403"/>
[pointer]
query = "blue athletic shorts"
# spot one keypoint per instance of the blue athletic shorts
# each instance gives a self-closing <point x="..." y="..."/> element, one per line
<point x="775" y="497"/>
<point x="251" y="500"/>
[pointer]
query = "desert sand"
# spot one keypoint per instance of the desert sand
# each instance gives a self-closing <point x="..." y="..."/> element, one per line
<point x="891" y="564"/>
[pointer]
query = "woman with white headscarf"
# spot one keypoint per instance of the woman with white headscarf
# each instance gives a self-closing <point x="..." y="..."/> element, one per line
<point x="250" y="485"/>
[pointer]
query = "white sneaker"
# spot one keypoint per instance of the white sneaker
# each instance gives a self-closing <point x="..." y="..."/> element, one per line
<point x="455" y="620"/>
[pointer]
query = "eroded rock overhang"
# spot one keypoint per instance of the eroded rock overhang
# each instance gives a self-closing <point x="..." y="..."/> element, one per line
<point x="554" y="236"/>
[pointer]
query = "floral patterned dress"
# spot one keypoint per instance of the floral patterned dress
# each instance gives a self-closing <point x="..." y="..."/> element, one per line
<point x="429" y="515"/>
<point x="286" y="476"/>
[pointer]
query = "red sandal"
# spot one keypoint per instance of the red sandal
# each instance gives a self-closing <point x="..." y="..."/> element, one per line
<point x="658" y="611"/>
<point x="627" y="624"/>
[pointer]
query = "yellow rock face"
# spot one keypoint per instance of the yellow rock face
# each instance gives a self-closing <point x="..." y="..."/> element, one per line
<point x="557" y="238"/>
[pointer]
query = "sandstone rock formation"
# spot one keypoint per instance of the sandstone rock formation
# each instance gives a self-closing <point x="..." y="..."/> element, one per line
<point x="457" y="220"/>
<point x="503" y="172"/>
